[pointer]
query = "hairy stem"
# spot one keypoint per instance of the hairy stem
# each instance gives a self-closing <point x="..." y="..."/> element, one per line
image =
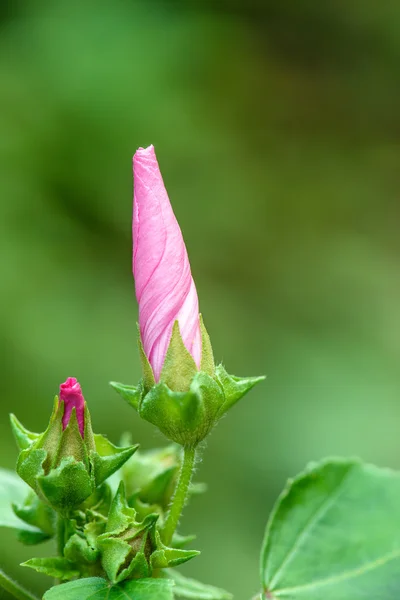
<point x="14" y="588"/>
<point x="60" y="537"/>
<point x="60" y="540"/>
<point x="181" y="492"/>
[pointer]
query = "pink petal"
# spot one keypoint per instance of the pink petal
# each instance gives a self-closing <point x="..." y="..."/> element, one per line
<point x="71" y="395"/>
<point x="165" y="288"/>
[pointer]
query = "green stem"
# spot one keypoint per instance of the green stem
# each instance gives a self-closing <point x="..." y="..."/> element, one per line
<point x="181" y="492"/>
<point x="60" y="537"/>
<point x="60" y="541"/>
<point x="14" y="588"/>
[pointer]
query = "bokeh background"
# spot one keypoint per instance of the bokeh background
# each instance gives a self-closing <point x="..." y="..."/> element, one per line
<point x="277" y="128"/>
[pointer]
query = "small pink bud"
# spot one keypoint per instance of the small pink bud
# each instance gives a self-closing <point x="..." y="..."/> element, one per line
<point x="165" y="288"/>
<point x="71" y="395"/>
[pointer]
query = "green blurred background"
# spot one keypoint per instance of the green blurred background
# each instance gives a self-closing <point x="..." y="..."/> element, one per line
<point x="277" y="128"/>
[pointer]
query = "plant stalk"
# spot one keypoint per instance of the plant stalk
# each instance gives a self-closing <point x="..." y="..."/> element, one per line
<point x="180" y="497"/>
<point x="60" y="540"/>
<point x="14" y="588"/>
<point x="60" y="535"/>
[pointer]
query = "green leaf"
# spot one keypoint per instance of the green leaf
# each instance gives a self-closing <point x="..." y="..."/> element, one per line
<point x="96" y="588"/>
<point x="39" y="515"/>
<point x="36" y="513"/>
<point x="191" y="589"/>
<point x="58" y="567"/>
<point x="334" y="534"/>
<point x="131" y="394"/>
<point x="13" y="490"/>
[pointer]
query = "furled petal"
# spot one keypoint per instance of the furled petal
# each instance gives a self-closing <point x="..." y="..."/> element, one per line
<point x="165" y="288"/>
<point x="71" y="395"/>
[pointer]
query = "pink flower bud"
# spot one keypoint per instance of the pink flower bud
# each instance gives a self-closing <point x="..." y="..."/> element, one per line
<point x="165" y="288"/>
<point x="71" y="395"/>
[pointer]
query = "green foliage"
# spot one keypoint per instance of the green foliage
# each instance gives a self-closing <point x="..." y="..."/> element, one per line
<point x="38" y="514"/>
<point x="150" y="477"/>
<point x="96" y="588"/>
<point x="57" y="567"/>
<point x="133" y="549"/>
<point x="190" y="589"/>
<point x="335" y="533"/>
<point x="13" y="491"/>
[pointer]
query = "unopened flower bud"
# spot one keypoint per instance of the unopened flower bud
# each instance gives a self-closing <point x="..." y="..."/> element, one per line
<point x="165" y="288"/>
<point x="182" y="392"/>
<point x="65" y="464"/>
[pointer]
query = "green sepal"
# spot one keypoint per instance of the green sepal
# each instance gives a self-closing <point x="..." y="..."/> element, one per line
<point x="71" y="443"/>
<point x="67" y="486"/>
<point x="179" y="367"/>
<point x="57" y="567"/>
<point x="78" y="550"/>
<point x="234" y="387"/>
<point x="50" y="440"/>
<point x="207" y="363"/>
<point x="23" y="436"/>
<point x="130" y="393"/>
<point x="38" y="514"/>
<point x="165" y="557"/>
<point x="30" y="465"/>
<point x="147" y="370"/>
<point x="184" y="417"/>
<point x="121" y="515"/>
<point x="108" y="458"/>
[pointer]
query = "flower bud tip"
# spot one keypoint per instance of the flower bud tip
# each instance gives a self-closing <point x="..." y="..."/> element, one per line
<point x="71" y="395"/>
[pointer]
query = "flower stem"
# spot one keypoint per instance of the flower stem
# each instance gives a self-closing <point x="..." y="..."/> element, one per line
<point x="14" y="588"/>
<point x="181" y="492"/>
<point x="60" y="535"/>
<point x="60" y="541"/>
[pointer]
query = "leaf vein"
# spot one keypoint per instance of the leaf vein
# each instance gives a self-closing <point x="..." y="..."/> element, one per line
<point x="370" y="566"/>
<point x="322" y="510"/>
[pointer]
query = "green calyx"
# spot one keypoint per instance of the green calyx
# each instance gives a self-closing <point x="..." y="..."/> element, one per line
<point x="186" y="403"/>
<point x="60" y="465"/>
<point x="133" y="549"/>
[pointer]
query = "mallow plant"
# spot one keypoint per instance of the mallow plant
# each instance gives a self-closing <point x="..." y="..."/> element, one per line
<point x="114" y="512"/>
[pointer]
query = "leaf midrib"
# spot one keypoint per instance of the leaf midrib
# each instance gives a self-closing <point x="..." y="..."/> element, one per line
<point x="321" y="511"/>
<point x="370" y="566"/>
